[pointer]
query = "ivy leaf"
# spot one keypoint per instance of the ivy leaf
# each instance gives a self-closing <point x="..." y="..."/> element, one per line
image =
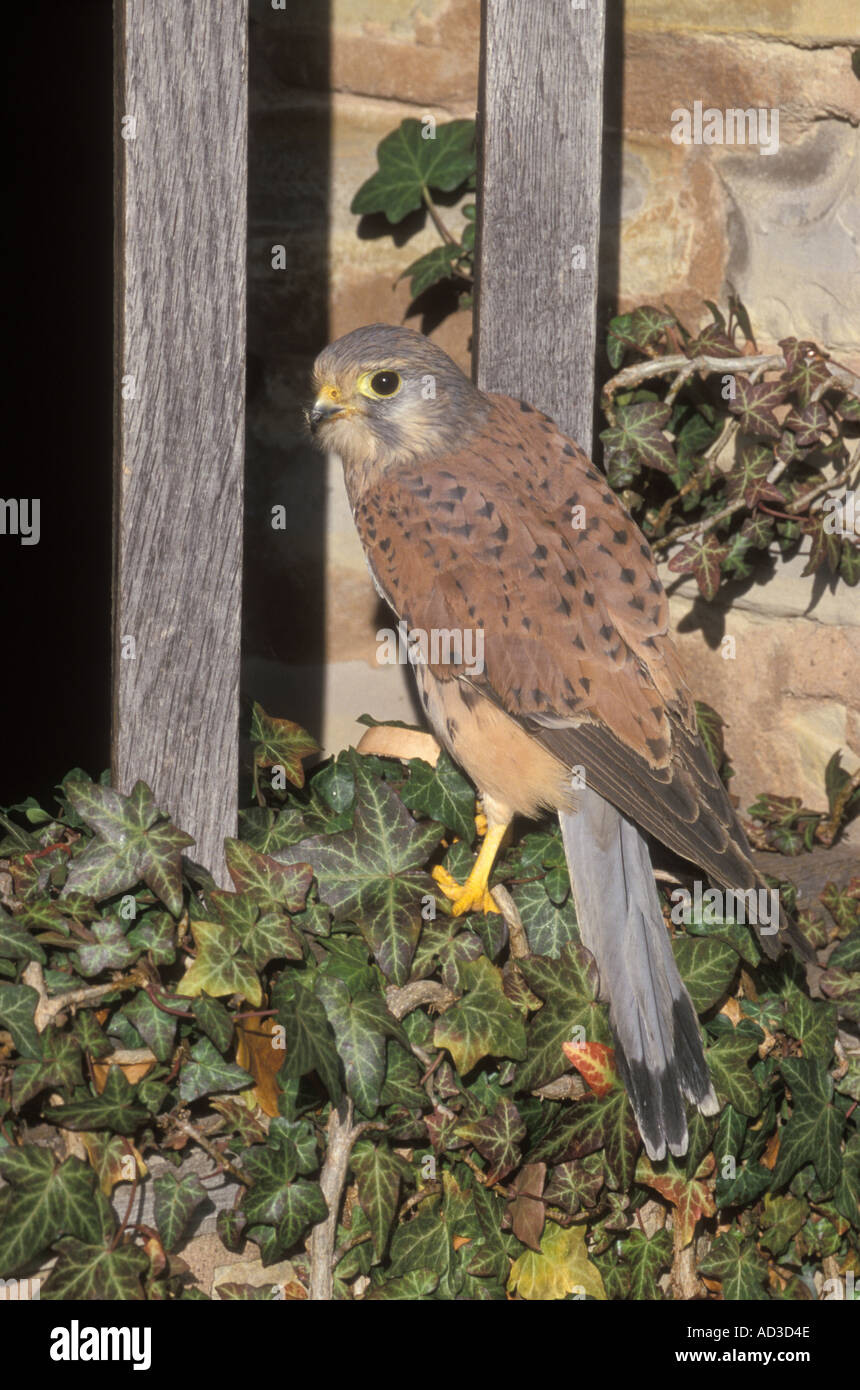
<point x="207" y="1072"/>
<point x="442" y="794"/>
<point x="691" y="1197"/>
<point x="361" y="1026"/>
<point x="416" y="1286"/>
<point x="59" y="1069"/>
<point x="569" y="986"/>
<point x="647" y="1257"/>
<point x="115" y="1109"/>
<point x="378" y="1174"/>
<point x="483" y="1023"/>
<point x="813" y="1023"/>
<point x="498" y="1139"/>
<point x="309" y="1038"/>
<point x="111" y="950"/>
<point x="526" y="1208"/>
<point x="371" y="874"/>
<point x="410" y="165"/>
<point x="707" y="967"/>
<point x="638" y="329"/>
<point x="43" y="1202"/>
<point x="758" y="530"/>
<point x="701" y="557"/>
<point x="548" y="925"/>
<point x="157" y="1028"/>
<point x="268" y="882"/>
<point x="710" y="727"/>
<point x="735" y="1261"/>
<point x="214" y="1021"/>
<point x="17" y="944"/>
<point x="596" y="1065"/>
<point x="747" y="480"/>
<point x="559" y="1268"/>
<point x="94" y="1273"/>
<point x="17" y="1013"/>
<point x="814" y="1131"/>
<point x="575" y="1184"/>
<point x="843" y="904"/>
<point x="176" y="1199"/>
<point x="596" y="1122"/>
<point x="421" y="1244"/>
<point x="220" y="966"/>
<point x="782" y="1218"/>
<point x="133" y="842"/>
<point x="754" y="402"/>
<point x="826" y="549"/>
<point x="638" y="436"/>
<point x="434" y="266"/>
<point x="733" y="1081"/>
<point x="810" y="424"/>
<point x="280" y="743"/>
<point x="155" y="933"/>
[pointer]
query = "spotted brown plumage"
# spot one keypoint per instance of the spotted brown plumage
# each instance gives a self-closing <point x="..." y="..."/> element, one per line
<point x="476" y="513"/>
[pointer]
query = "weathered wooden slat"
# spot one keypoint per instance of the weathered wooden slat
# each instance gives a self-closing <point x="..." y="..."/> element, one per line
<point x="540" y="125"/>
<point x="181" y="112"/>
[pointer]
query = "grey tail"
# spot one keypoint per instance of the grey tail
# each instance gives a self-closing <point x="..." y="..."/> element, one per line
<point x="659" y="1048"/>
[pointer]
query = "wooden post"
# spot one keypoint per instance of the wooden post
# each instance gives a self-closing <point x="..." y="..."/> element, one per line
<point x="181" y="137"/>
<point x="540" y="124"/>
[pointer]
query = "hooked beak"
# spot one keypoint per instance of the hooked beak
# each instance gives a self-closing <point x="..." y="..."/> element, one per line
<point x="326" y="406"/>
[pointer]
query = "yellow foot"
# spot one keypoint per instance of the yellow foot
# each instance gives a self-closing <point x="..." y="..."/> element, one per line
<point x="474" y="892"/>
<point x="465" y="896"/>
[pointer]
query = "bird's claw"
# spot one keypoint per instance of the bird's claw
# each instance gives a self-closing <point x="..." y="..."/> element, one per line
<point x="474" y="893"/>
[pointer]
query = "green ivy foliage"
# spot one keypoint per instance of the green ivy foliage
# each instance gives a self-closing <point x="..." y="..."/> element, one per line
<point x="334" y="981"/>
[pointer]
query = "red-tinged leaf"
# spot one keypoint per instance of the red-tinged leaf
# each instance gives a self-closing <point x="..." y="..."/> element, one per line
<point x="638" y="439"/>
<point x="691" y="1197"/>
<point x="754" y="404"/>
<point x="711" y="342"/>
<point x="826" y="550"/>
<point x="281" y="743"/>
<point x="810" y="424"/>
<point x="638" y="329"/>
<point x="758" y="530"/>
<point x="701" y="557"/>
<point x="805" y="368"/>
<point x="497" y="1138"/>
<point x="595" y="1063"/>
<point x="788" y="449"/>
<point x="748" y="478"/>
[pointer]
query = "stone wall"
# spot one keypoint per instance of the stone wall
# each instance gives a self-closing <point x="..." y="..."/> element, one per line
<point x="328" y="81"/>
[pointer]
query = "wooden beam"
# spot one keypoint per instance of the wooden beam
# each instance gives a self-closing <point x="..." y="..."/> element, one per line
<point x="181" y="143"/>
<point x="539" y="126"/>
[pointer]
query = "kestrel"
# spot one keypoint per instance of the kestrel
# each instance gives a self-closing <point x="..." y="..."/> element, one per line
<point x="477" y="514"/>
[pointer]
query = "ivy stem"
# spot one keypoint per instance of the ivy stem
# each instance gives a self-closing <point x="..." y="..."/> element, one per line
<point x="436" y="219"/>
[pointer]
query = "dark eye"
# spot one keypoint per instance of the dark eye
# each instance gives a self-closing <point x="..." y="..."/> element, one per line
<point x="384" y="383"/>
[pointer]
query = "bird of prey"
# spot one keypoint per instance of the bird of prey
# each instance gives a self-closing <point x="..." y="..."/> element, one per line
<point x="477" y="513"/>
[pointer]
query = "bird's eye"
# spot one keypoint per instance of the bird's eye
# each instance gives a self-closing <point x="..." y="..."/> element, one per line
<point x="384" y="383"/>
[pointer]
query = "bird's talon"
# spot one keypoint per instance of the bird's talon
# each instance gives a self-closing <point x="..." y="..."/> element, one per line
<point x="466" y="896"/>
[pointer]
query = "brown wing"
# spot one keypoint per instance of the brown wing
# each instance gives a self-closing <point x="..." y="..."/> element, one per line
<point x="519" y="534"/>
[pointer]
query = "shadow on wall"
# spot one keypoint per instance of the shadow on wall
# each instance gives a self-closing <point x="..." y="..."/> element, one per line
<point x="288" y="221"/>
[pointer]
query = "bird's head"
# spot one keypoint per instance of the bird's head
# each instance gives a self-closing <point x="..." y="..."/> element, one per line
<point x="387" y="396"/>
